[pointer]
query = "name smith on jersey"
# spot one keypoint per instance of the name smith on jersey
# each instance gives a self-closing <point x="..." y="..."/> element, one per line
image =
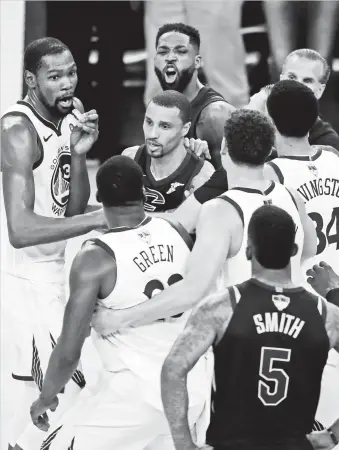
<point x="319" y="186"/>
<point x="274" y="322"/>
<point x="154" y="254"/>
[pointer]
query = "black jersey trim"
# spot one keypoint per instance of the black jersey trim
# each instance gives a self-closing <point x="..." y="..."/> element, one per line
<point x="22" y="377"/>
<point x="39" y="143"/>
<point x="103" y="245"/>
<point x="47" y="123"/>
<point x="235" y="205"/>
<point x="277" y="171"/>
<point x="182" y="231"/>
<point x="333" y="296"/>
<point x="330" y="149"/>
<point x="119" y="229"/>
<point x="255" y="191"/>
<point x="293" y="199"/>
<point x="233" y="297"/>
<point x="303" y="158"/>
<point x="276" y="289"/>
<point x="199" y="165"/>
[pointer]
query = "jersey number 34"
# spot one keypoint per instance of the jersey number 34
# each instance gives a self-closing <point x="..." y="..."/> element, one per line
<point x="324" y="234"/>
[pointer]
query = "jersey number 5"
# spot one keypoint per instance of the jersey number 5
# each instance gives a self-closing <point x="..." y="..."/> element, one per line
<point x="274" y="389"/>
<point x="156" y="285"/>
<point x="325" y="237"/>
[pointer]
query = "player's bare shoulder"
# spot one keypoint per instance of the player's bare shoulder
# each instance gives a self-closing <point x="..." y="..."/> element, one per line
<point x="18" y="140"/>
<point x="130" y="151"/>
<point x="332" y="325"/>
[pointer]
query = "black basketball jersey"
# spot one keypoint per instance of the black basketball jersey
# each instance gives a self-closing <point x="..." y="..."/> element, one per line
<point x="168" y="193"/>
<point x="205" y="96"/>
<point x="268" y="366"/>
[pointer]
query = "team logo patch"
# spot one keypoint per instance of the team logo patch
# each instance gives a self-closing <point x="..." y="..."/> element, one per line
<point x="173" y="187"/>
<point x="313" y="169"/>
<point x="280" y="301"/>
<point x="153" y="199"/>
<point x="145" y="236"/>
<point x="61" y="179"/>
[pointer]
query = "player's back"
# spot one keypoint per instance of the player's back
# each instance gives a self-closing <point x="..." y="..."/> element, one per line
<point x="268" y="367"/>
<point x="148" y="258"/>
<point x="51" y="175"/>
<point x="316" y="178"/>
<point x="237" y="268"/>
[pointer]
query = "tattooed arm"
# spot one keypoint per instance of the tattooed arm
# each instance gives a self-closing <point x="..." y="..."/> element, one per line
<point x="205" y="326"/>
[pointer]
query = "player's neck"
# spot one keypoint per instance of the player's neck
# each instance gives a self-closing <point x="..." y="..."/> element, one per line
<point x="193" y="87"/>
<point x="124" y="216"/>
<point x="33" y="100"/>
<point x="281" y="278"/>
<point x="243" y="176"/>
<point x="167" y="164"/>
<point x="294" y="146"/>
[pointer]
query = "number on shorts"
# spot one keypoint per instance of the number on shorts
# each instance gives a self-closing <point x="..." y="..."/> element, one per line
<point x="276" y="391"/>
<point x="153" y="287"/>
<point x="324" y="236"/>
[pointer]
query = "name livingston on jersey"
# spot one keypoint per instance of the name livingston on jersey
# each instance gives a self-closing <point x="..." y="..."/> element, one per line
<point x="278" y="323"/>
<point x="155" y="254"/>
<point x="319" y="186"/>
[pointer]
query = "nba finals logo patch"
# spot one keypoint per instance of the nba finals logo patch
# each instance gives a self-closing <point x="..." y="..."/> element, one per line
<point x="145" y="236"/>
<point x="280" y="301"/>
<point x="174" y="187"/>
<point x="313" y="169"/>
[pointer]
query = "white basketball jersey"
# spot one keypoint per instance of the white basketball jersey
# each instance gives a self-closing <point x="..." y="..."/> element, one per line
<point x="148" y="258"/>
<point x="52" y="180"/>
<point x="237" y="269"/>
<point x="316" y="179"/>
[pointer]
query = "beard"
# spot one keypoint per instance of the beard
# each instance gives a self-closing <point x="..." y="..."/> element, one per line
<point x="55" y="110"/>
<point x="182" y="80"/>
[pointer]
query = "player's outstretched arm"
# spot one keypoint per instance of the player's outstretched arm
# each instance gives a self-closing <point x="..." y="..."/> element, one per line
<point x="216" y="224"/>
<point x="88" y="279"/>
<point x="25" y="227"/>
<point x="210" y="127"/>
<point x="325" y="281"/>
<point x="205" y="326"/>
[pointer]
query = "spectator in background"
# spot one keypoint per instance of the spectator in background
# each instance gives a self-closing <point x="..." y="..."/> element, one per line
<point x="285" y="19"/>
<point x="222" y="46"/>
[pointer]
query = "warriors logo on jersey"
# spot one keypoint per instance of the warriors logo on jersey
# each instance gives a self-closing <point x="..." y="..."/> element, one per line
<point x="60" y="180"/>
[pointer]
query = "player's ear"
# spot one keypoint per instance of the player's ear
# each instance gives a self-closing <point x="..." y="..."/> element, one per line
<point x="198" y="61"/>
<point x="295" y="249"/>
<point x="249" y="253"/>
<point x="186" y="128"/>
<point x="30" y="79"/>
<point x="97" y="196"/>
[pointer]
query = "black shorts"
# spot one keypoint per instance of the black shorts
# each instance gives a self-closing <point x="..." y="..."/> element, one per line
<point x="293" y="444"/>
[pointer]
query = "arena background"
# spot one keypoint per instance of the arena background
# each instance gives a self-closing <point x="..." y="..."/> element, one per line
<point x="22" y="22"/>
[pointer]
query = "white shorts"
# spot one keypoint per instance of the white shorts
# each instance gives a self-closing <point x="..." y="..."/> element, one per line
<point x="114" y="416"/>
<point x="35" y="313"/>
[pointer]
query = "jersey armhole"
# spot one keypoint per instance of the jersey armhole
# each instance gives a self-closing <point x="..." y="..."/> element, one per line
<point x="293" y="199"/>
<point x="235" y="205"/>
<point x="197" y="169"/>
<point x="181" y="230"/>
<point x="277" y="171"/>
<point x="39" y="143"/>
<point x="322" y="308"/>
<point x="138" y="154"/>
<point x="101" y="244"/>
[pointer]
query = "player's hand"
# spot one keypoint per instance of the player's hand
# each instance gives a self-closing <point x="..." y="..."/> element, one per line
<point x="85" y="132"/>
<point x="106" y="321"/>
<point x="197" y="146"/>
<point x="321" y="440"/>
<point x="322" y="278"/>
<point x="38" y="412"/>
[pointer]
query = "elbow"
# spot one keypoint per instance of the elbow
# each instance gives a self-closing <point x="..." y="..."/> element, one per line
<point x="16" y="238"/>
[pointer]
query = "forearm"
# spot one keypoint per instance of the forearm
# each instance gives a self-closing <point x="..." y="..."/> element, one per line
<point x="79" y="186"/>
<point x="33" y="229"/>
<point x="175" y="401"/>
<point x="335" y="428"/>
<point x="59" y="372"/>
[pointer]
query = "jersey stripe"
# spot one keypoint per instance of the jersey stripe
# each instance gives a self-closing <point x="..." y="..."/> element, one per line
<point x="277" y="171"/>
<point x="36" y="366"/>
<point x="235" y="204"/>
<point x="46" y="445"/>
<point x="182" y="231"/>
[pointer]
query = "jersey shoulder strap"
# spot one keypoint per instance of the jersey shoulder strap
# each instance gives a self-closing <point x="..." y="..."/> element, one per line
<point x="180" y="230"/>
<point x="277" y="171"/>
<point x="140" y="156"/>
<point x="100" y="243"/>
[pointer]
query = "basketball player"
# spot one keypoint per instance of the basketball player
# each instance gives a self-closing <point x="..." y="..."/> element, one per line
<point x="325" y="281"/>
<point x="311" y="69"/>
<point x="44" y="141"/>
<point x="169" y="169"/>
<point x="222" y="226"/>
<point x="143" y="255"/>
<point x="176" y="65"/>
<point x="270" y="341"/>
<point x="312" y="170"/>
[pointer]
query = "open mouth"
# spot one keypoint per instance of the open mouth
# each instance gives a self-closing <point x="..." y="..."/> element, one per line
<point x="170" y="74"/>
<point x="153" y="146"/>
<point x="66" y="102"/>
